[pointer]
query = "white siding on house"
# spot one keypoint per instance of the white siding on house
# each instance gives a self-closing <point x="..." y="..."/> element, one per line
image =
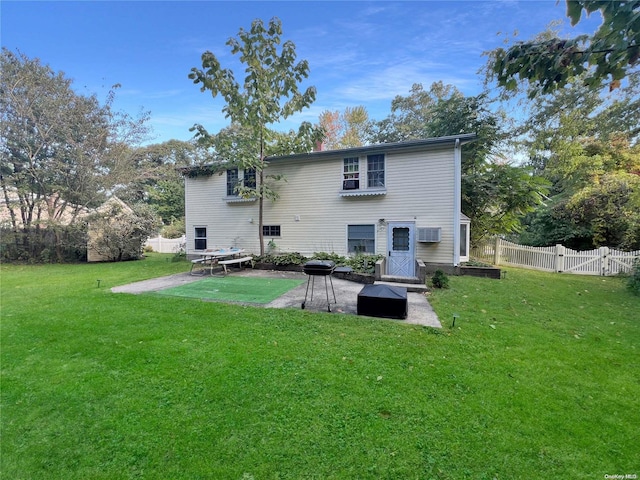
<point x="313" y="215"/>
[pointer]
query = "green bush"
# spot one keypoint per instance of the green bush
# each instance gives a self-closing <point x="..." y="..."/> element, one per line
<point x="292" y="258"/>
<point x="175" y="229"/>
<point x="634" y="280"/>
<point x="334" y="257"/>
<point x="363" y="263"/>
<point x="440" y="279"/>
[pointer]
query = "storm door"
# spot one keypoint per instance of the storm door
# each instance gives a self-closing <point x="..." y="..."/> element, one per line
<point x="401" y="261"/>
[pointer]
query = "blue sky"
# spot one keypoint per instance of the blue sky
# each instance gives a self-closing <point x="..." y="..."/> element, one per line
<point x="360" y="53"/>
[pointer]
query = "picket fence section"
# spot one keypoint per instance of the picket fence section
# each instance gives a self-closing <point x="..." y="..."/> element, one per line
<point x="601" y="261"/>
<point x="166" y="245"/>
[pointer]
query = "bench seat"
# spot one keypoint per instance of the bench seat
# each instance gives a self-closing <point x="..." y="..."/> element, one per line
<point x="204" y="263"/>
<point x="240" y="261"/>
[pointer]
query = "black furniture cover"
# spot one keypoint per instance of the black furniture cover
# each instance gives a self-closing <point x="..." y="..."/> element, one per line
<point x="383" y="301"/>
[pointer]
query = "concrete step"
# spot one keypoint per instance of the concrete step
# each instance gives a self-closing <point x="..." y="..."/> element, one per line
<point x="411" y="287"/>
<point x="391" y="278"/>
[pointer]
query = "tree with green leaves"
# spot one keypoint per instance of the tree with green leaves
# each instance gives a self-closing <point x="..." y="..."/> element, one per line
<point x="495" y="193"/>
<point x="60" y="152"/>
<point x="269" y="93"/>
<point x="597" y="196"/>
<point x="156" y="180"/>
<point x="348" y="129"/>
<point x="549" y="63"/>
<point x="584" y="142"/>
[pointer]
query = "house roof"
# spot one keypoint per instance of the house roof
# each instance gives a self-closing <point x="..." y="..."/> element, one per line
<point x="405" y="146"/>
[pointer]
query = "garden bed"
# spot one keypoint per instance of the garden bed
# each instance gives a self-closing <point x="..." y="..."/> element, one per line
<point x="486" y="272"/>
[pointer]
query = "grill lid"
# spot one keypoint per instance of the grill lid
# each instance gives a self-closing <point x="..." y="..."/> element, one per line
<point x="319" y="267"/>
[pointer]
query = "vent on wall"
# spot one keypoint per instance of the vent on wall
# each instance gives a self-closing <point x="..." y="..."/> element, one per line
<point x="429" y="235"/>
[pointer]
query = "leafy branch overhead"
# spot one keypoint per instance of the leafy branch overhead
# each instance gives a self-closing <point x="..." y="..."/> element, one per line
<point x="271" y="76"/>
<point x="606" y="57"/>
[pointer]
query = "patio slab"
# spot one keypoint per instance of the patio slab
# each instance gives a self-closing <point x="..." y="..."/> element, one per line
<point x="420" y="312"/>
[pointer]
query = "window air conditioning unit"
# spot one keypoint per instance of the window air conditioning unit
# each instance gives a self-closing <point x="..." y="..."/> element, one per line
<point x="351" y="184"/>
<point x="429" y="235"/>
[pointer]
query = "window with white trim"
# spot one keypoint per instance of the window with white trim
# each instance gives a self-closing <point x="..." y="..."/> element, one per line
<point x="375" y="171"/>
<point x="351" y="174"/>
<point x="361" y="238"/>
<point x="236" y="178"/>
<point x="232" y="182"/>
<point x="271" y="230"/>
<point x="249" y="178"/>
<point x="464" y="242"/>
<point x="200" y="238"/>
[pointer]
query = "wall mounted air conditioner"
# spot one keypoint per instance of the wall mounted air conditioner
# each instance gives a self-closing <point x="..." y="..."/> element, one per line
<point x="429" y="235"/>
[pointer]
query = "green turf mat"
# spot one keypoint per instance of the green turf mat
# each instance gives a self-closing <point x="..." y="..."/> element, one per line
<point x="235" y="289"/>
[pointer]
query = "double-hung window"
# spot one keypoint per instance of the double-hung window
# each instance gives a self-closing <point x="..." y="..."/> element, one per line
<point x="250" y="177"/>
<point x="200" y="238"/>
<point x="361" y="238"/>
<point x="232" y="182"/>
<point x="351" y="174"/>
<point x="375" y="171"/>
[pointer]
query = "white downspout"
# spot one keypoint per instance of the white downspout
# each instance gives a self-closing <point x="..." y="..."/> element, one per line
<point x="457" y="201"/>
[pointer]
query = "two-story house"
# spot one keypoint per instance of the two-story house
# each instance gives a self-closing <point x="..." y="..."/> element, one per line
<point x="401" y="200"/>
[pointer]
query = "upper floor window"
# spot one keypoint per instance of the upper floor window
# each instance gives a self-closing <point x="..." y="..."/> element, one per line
<point x="375" y="171"/>
<point x="366" y="181"/>
<point x="351" y="174"/>
<point x="250" y="178"/>
<point x="232" y="182"/>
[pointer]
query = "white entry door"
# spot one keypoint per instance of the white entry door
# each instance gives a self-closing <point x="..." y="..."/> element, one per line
<point x="401" y="261"/>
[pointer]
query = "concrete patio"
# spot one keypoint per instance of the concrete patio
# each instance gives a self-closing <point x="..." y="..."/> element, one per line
<point x="419" y="310"/>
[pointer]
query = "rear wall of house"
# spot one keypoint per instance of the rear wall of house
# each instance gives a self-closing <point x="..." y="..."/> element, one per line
<point x="313" y="215"/>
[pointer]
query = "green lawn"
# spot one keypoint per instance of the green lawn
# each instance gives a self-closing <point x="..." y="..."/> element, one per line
<point x="539" y="378"/>
<point x="235" y="289"/>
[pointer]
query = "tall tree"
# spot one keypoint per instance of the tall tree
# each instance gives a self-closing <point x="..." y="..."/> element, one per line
<point x="584" y="142"/>
<point x="495" y="194"/>
<point x="606" y="57"/>
<point x="158" y="182"/>
<point x="60" y="151"/>
<point x="270" y="92"/>
<point x="351" y="128"/>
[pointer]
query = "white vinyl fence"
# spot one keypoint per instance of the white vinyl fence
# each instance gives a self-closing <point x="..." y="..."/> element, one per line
<point x="601" y="261"/>
<point x="166" y="245"/>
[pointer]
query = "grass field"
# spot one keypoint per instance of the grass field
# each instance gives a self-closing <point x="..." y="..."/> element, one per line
<point x="539" y="378"/>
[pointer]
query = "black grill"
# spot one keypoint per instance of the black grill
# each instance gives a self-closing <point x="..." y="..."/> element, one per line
<point x="324" y="268"/>
<point x="319" y="267"/>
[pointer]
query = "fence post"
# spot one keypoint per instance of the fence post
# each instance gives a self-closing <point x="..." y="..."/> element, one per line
<point x="604" y="260"/>
<point x="496" y="252"/>
<point x="559" y="258"/>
